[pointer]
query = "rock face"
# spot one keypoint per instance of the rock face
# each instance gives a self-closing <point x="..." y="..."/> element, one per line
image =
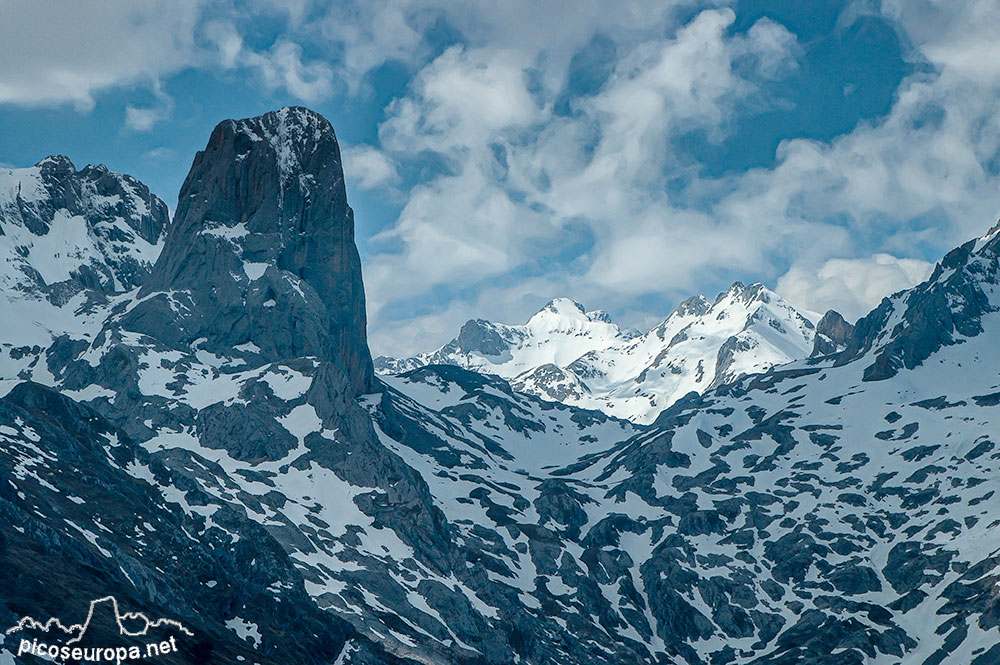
<point x="244" y="349"/>
<point x="567" y="354"/>
<point x="262" y="251"/>
<point x="480" y="337"/>
<point x="70" y="243"/>
<point x="140" y="552"/>
<point x="832" y="334"/>
<point x="906" y="328"/>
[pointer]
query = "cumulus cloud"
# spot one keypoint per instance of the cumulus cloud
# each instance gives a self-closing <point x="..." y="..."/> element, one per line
<point x="591" y="184"/>
<point x="68" y="60"/>
<point x="464" y="225"/>
<point x="371" y="33"/>
<point x="516" y="191"/>
<point x="144" y="118"/>
<point x="368" y="167"/>
<point x="141" y="119"/>
<point x="159" y="153"/>
<point x="853" y="287"/>
<point x="92" y="49"/>
<point x="283" y="66"/>
<point x="520" y="182"/>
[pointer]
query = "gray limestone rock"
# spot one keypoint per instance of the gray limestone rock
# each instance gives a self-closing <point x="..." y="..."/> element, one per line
<point x="262" y="249"/>
<point x="832" y="334"/>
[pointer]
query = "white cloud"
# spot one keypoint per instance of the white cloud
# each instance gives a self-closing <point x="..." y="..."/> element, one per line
<point x="50" y="60"/>
<point x="88" y="49"/>
<point x="460" y="101"/>
<point x="284" y="67"/>
<point x="913" y="184"/>
<point x="518" y="183"/>
<point x="372" y="33"/>
<point x="159" y="153"/>
<point x="853" y="287"/>
<point x="518" y="201"/>
<point x="143" y="119"/>
<point x="225" y="40"/>
<point x="368" y="167"/>
<point x="464" y="225"/>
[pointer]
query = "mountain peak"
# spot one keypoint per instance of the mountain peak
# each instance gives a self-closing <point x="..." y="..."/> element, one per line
<point x="568" y="354"/>
<point x="60" y="163"/>
<point x="479" y="336"/>
<point x="290" y="121"/>
<point x="263" y="231"/>
<point x="569" y="309"/>
<point x="294" y="133"/>
<point x="563" y="306"/>
<point x="988" y="237"/>
<point x="833" y="333"/>
<point x="694" y="306"/>
<point x="599" y="315"/>
<point x="746" y="293"/>
<point x="70" y="230"/>
<point x="909" y="326"/>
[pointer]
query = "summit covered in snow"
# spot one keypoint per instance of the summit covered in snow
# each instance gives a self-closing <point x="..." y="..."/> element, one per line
<point x="566" y="354"/>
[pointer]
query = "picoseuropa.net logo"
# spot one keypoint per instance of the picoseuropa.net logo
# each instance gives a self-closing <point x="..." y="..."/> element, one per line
<point x="138" y="638"/>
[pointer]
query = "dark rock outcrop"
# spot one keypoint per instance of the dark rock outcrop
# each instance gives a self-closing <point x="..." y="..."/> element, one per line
<point x="832" y="334"/>
<point x="227" y="473"/>
<point x="693" y="306"/>
<point x="477" y="336"/>
<point x="941" y="311"/>
<point x="262" y="249"/>
<point x="138" y="546"/>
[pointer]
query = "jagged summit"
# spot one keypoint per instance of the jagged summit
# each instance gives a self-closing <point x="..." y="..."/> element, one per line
<point x="946" y="309"/>
<point x="566" y="312"/>
<point x="63" y="231"/>
<point x="693" y="306"/>
<point x="568" y="354"/>
<point x="56" y="163"/>
<point x="804" y="513"/>
<point x="833" y="333"/>
<point x="746" y="293"/>
<point x="563" y="306"/>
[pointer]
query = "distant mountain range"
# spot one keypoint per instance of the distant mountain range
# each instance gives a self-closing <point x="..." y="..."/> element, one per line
<point x="191" y="422"/>
<point x="566" y="354"/>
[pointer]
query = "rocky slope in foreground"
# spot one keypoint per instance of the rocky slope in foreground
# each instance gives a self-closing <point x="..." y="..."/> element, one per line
<point x="569" y="355"/>
<point x="841" y="509"/>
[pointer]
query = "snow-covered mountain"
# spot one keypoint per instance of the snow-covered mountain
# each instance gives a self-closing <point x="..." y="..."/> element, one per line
<point x="69" y="242"/>
<point x="213" y="446"/>
<point x="567" y="354"/>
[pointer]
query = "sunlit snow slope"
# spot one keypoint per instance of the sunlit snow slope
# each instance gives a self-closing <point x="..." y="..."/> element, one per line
<point x="569" y="355"/>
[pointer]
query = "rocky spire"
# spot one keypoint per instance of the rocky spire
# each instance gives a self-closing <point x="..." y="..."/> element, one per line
<point x="262" y="248"/>
<point x="833" y="333"/>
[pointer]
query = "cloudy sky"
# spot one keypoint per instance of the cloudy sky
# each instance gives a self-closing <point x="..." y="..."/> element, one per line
<point x="499" y="154"/>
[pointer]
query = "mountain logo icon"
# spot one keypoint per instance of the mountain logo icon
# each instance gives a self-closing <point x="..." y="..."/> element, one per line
<point x="140" y="636"/>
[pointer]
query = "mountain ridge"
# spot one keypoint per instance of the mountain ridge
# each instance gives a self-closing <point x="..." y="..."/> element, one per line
<point x="570" y="355"/>
<point x="837" y="509"/>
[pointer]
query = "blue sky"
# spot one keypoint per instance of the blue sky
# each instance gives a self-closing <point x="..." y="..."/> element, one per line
<point x="626" y="154"/>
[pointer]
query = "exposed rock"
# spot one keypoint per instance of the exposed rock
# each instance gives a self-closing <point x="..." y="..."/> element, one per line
<point x="799" y="514"/>
<point x="262" y="249"/>
<point x="832" y="334"/>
